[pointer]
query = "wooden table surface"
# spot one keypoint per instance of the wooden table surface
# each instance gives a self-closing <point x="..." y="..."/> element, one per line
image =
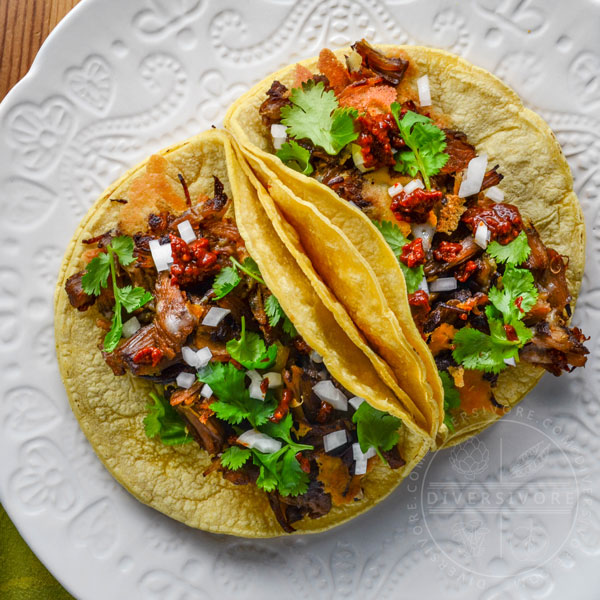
<point x="24" y="25"/>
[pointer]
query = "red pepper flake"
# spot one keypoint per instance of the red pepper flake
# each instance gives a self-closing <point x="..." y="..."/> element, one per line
<point x="416" y="206"/>
<point x="304" y="462"/>
<point x="419" y="307"/>
<point x="379" y="138"/>
<point x="283" y="407"/>
<point x="519" y="302"/>
<point x="413" y="253"/>
<point x="190" y="261"/>
<point x="447" y="251"/>
<point x="151" y="355"/>
<point x="466" y="271"/>
<point x="264" y="385"/>
<point x="324" y="411"/>
<point x="511" y="334"/>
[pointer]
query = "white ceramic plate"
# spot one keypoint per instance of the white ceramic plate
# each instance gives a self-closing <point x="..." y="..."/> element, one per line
<point x="514" y="514"/>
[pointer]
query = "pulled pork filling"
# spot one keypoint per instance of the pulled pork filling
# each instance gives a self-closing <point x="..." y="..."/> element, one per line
<point x="231" y="379"/>
<point x="484" y="290"/>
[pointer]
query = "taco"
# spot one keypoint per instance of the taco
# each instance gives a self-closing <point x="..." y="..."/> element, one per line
<point x="202" y="366"/>
<point x="457" y="197"/>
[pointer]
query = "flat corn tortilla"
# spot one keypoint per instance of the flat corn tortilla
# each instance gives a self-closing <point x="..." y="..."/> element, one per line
<point x="537" y="180"/>
<point x="111" y="409"/>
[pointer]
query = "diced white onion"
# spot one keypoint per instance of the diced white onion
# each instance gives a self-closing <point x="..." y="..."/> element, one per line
<point x="356" y="401"/>
<point x="353" y="61"/>
<point x="510" y="362"/>
<point x="259" y="441"/>
<point x="190" y="356"/>
<point x="185" y="380"/>
<point x="334" y="440"/>
<point x="358" y="454"/>
<point x="495" y="193"/>
<point x="316" y="357"/>
<point x="130" y="327"/>
<point x="360" y="467"/>
<point x="204" y="355"/>
<point x="443" y="284"/>
<point x="214" y="316"/>
<point x="358" y="158"/>
<point x="255" y="391"/>
<point x="423" y="285"/>
<point x="482" y="235"/>
<point x="425" y="232"/>
<point x="395" y="190"/>
<point x="327" y="392"/>
<point x="413" y="185"/>
<point x="424" y="91"/>
<point x="206" y="391"/>
<point x="186" y="232"/>
<point x="471" y="184"/>
<point x="254" y="375"/>
<point x="161" y="255"/>
<point x="275" y="380"/>
<point x="278" y="132"/>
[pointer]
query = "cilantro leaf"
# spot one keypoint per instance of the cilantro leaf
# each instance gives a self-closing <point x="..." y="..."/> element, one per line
<point x="133" y="298"/>
<point x="518" y="294"/>
<point x="234" y="457"/>
<point x="296" y="157"/>
<point x="477" y="350"/>
<point x="282" y="431"/>
<point x="280" y="470"/>
<point x="226" y="280"/>
<point x="275" y="313"/>
<point x="122" y="246"/>
<point x="96" y="274"/>
<point x="513" y="253"/>
<point x="249" y="267"/>
<point x="315" y="115"/>
<point x="426" y="142"/>
<point x="163" y="421"/>
<point x="250" y="350"/>
<point x="451" y="398"/>
<point x="376" y="428"/>
<point x="396" y="240"/>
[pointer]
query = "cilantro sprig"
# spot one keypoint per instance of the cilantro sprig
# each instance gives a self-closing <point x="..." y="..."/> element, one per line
<point x="514" y="253"/>
<point x="229" y="278"/>
<point x="296" y="157"/>
<point x="316" y="115"/>
<point x="426" y="142"/>
<point x="451" y="398"/>
<point x="127" y="297"/>
<point x="251" y="351"/>
<point x="275" y="313"/>
<point x="376" y="429"/>
<point x="162" y="420"/>
<point x="396" y="240"/>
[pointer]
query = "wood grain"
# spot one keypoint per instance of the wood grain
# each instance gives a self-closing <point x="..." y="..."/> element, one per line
<point x="24" y="25"/>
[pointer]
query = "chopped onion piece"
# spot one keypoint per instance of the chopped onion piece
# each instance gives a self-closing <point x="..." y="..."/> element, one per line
<point x="471" y="184"/>
<point x="161" y="255"/>
<point x="278" y="132"/>
<point x="274" y="378"/>
<point x="259" y="441"/>
<point x="356" y="401"/>
<point x="190" y="356"/>
<point x="425" y="232"/>
<point x="334" y="440"/>
<point x="186" y="232"/>
<point x="360" y="467"/>
<point x="254" y="375"/>
<point x="353" y="61"/>
<point x="443" y="284"/>
<point x="255" y="391"/>
<point x="316" y="357"/>
<point x="130" y="327"/>
<point x="510" y="362"/>
<point x="185" y="380"/>
<point x="424" y="91"/>
<point x="358" y="454"/>
<point x="327" y="392"/>
<point x="413" y="185"/>
<point x="214" y="316"/>
<point x="495" y="193"/>
<point x="206" y="391"/>
<point x="395" y="190"/>
<point x="204" y="355"/>
<point x="423" y="285"/>
<point x="482" y="235"/>
<point x="358" y="158"/>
